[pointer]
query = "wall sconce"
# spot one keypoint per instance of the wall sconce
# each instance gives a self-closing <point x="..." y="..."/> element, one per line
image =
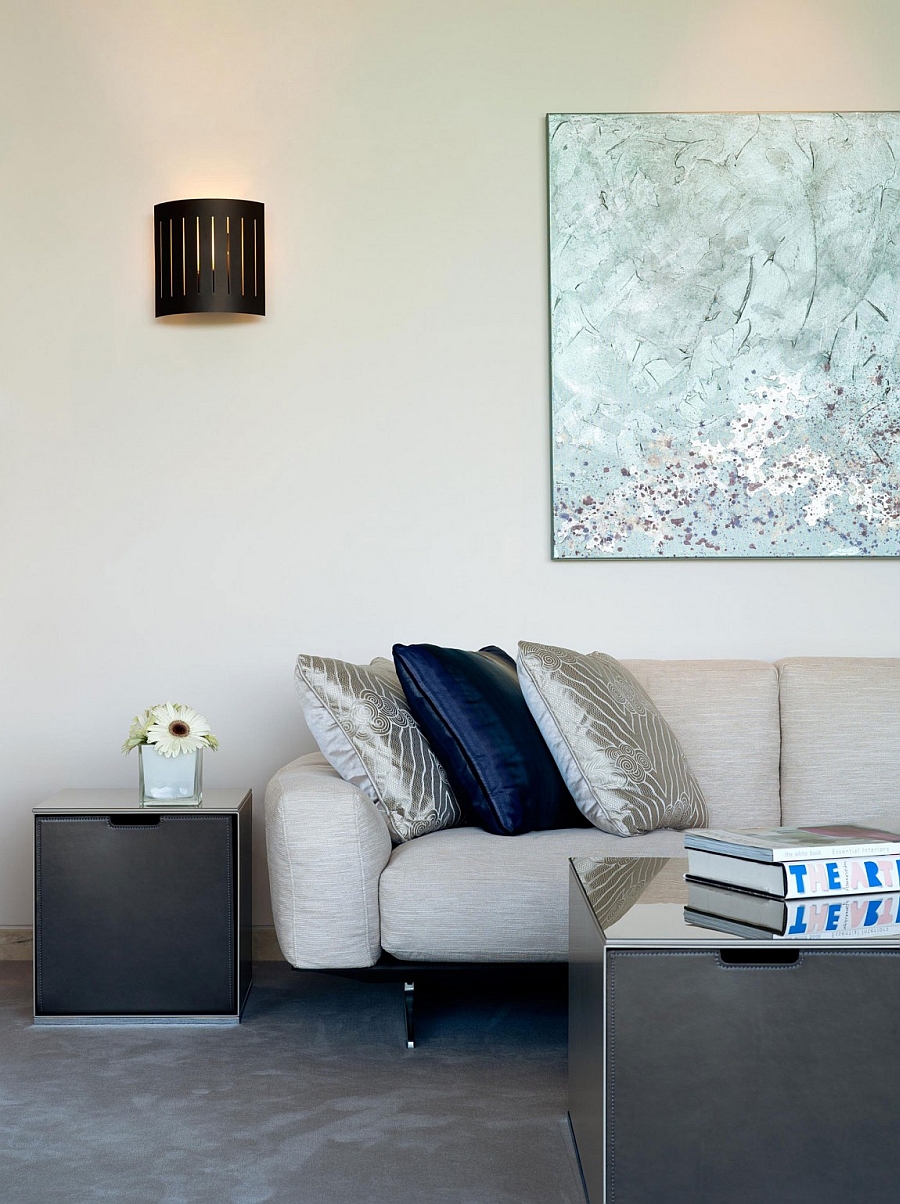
<point x="210" y="257"/>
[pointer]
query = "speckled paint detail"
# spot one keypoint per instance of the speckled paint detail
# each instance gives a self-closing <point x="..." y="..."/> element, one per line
<point x="724" y="335"/>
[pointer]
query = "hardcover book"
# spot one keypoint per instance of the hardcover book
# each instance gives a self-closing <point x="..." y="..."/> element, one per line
<point x="798" y="879"/>
<point x="796" y="844"/>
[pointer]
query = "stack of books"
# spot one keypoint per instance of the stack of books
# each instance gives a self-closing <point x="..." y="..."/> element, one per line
<point x="836" y="880"/>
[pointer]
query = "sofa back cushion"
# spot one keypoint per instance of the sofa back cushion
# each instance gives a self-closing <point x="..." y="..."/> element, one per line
<point x="725" y="716"/>
<point x="840" y="740"/>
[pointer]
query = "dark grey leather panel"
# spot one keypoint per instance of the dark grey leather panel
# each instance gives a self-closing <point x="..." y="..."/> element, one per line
<point x="135" y="918"/>
<point x="774" y="1084"/>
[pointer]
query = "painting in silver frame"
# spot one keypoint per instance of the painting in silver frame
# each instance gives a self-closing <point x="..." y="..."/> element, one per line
<point x="725" y="326"/>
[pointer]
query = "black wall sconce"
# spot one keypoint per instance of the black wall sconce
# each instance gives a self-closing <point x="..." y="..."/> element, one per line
<point x="210" y="257"/>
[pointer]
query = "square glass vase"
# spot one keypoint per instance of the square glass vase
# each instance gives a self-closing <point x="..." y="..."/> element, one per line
<point x="170" y="781"/>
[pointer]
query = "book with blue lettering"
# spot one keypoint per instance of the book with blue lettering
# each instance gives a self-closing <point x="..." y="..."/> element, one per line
<point x="739" y="913"/>
<point x="798" y="879"/>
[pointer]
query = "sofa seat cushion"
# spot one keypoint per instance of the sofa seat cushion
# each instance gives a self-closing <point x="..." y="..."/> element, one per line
<point x="465" y="895"/>
<point x="840" y="740"/>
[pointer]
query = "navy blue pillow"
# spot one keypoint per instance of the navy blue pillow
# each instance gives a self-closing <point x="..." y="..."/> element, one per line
<point x="474" y="716"/>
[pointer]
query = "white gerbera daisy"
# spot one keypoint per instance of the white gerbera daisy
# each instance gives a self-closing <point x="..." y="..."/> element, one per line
<point x="178" y="729"/>
<point x="137" y="733"/>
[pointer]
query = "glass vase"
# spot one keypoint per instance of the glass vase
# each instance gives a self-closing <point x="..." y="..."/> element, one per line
<point x="170" y="780"/>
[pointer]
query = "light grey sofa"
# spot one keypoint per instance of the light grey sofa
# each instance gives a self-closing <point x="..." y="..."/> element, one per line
<point x="803" y="740"/>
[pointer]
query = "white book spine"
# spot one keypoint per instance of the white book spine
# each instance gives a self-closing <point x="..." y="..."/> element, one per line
<point x="806" y="878"/>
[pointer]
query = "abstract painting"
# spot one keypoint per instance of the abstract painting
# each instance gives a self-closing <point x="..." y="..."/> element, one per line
<point x="725" y="326"/>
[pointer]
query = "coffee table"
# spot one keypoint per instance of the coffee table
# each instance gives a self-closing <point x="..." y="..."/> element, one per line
<point x="708" y="1068"/>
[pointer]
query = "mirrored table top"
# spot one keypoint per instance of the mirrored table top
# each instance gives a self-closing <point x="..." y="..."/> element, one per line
<point x="100" y="801"/>
<point x="647" y="901"/>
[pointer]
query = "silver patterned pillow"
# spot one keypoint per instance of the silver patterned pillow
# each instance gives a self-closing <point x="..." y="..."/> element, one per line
<point x="619" y="757"/>
<point x="360" y="720"/>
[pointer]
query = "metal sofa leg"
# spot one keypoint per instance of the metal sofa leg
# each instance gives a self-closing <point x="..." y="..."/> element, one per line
<point x="409" y="999"/>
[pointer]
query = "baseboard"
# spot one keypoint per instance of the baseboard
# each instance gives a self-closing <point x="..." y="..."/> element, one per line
<point x="265" y="945"/>
<point x="15" y="945"/>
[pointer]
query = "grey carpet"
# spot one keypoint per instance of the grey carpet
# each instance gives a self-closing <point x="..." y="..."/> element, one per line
<point x="314" y="1099"/>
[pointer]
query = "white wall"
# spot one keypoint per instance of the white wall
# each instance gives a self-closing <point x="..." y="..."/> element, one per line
<point x="186" y="506"/>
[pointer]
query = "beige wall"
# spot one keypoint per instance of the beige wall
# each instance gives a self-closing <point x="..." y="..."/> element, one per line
<point x="185" y="507"/>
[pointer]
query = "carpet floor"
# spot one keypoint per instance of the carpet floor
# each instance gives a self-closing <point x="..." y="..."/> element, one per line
<point x="313" y="1099"/>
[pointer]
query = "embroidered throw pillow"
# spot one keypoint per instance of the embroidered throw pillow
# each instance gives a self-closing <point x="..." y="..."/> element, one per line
<point x="359" y="718"/>
<point x="619" y="757"/>
<point x="470" y="707"/>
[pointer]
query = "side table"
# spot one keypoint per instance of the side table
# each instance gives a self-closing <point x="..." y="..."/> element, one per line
<point x="141" y="914"/>
<point x="707" y="1067"/>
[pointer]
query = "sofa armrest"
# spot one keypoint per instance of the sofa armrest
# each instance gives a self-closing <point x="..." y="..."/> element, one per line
<point x="327" y="845"/>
